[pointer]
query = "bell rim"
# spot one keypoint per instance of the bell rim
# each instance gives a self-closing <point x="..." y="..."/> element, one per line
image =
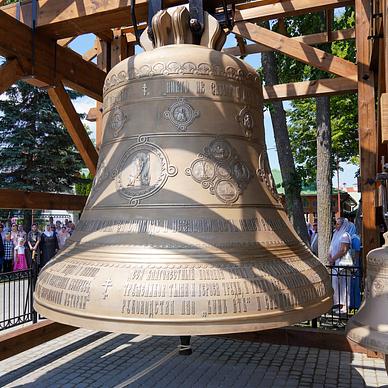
<point x="209" y="326"/>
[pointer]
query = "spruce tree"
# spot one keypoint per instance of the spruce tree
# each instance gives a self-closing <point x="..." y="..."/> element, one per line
<point x="36" y="152"/>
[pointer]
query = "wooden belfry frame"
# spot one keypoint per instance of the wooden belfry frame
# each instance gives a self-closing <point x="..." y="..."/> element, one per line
<point x="40" y="56"/>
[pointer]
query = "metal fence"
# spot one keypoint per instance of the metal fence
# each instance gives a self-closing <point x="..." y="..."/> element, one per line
<point x="16" y="291"/>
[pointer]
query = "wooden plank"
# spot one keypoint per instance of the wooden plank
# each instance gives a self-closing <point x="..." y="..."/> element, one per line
<point x="311" y="39"/>
<point x="64" y="18"/>
<point x="23" y="339"/>
<point x="367" y="128"/>
<point x="298" y="50"/>
<point x="384" y="118"/>
<point x="66" y="41"/>
<point x="10" y="72"/>
<point x="104" y="63"/>
<point x="76" y="129"/>
<point x="290" y="91"/>
<point x="287" y="8"/>
<point x="16" y="199"/>
<point x="385" y="26"/>
<point x="92" y="115"/>
<point x="52" y="62"/>
<point x="91" y="53"/>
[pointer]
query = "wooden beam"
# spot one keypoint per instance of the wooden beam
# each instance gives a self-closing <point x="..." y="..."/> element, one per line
<point x="25" y="338"/>
<point x="298" y="50"/>
<point x="64" y="18"/>
<point x="286" y="8"/>
<point x="312" y="39"/>
<point x="291" y="91"/>
<point x="10" y="72"/>
<point x="52" y="62"/>
<point x="65" y="41"/>
<point x="106" y="36"/>
<point x="90" y="54"/>
<point x="367" y="128"/>
<point x="384" y="118"/>
<point x="76" y="129"/>
<point x="16" y="199"/>
<point x="92" y="115"/>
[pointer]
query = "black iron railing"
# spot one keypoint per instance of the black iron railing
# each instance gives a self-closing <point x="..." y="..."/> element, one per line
<point x="16" y="296"/>
<point x="16" y="291"/>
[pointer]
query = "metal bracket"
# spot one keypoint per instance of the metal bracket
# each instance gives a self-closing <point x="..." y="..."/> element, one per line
<point x="196" y="19"/>
<point x="154" y="6"/>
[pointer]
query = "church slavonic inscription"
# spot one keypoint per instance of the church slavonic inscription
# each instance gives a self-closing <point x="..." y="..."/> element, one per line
<point x="154" y="226"/>
<point x="199" y="290"/>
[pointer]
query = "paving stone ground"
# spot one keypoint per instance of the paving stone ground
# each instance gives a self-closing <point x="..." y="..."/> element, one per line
<point x="85" y="358"/>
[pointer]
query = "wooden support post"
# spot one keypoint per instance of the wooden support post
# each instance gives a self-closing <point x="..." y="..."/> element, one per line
<point x="297" y="50"/>
<point x="76" y="129"/>
<point x="10" y="72"/>
<point x="104" y="63"/>
<point x="385" y="28"/>
<point x="367" y="127"/>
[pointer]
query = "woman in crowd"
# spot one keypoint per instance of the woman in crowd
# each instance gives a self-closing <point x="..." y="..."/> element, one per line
<point x="21" y="232"/>
<point x="49" y="244"/>
<point x="9" y="252"/>
<point x="20" y="262"/>
<point x="14" y="234"/>
<point x="340" y="244"/>
<point x="62" y="236"/>
<point x="33" y="241"/>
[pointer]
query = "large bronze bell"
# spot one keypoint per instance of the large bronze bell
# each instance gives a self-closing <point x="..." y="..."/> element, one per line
<point x="369" y="327"/>
<point x="183" y="232"/>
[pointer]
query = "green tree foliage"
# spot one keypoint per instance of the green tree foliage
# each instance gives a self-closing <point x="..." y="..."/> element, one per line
<point x="302" y="115"/>
<point x="36" y="151"/>
<point x="85" y="185"/>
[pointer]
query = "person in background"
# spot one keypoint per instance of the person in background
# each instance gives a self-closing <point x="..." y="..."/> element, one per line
<point x="9" y="248"/>
<point x="33" y="241"/>
<point x="21" y="232"/>
<point x="20" y="262"/>
<point x="62" y="236"/>
<point x="7" y="226"/>
<point x="14" y="234"/>
<point x="71" y="227"/>
<point x="49" y="244"/>
<point x="314" y="239"/>
<point x="356" y="272"/>
<point x="58" y="226"/>
<point x="2" y="232"/>
<point x="1" y="254"/>
<point x="340" y="244"/>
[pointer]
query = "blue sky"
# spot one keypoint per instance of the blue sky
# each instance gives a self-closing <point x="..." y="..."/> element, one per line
<point x="84" y="42"/>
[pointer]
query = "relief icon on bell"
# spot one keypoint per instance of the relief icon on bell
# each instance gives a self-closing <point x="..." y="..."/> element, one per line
<point x="182" y="233"/>
<point x="181" y="114"/>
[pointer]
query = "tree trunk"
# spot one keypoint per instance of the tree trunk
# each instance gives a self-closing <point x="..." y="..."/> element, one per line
<point x="291" y="180"/>
<point x="324" y="177"/>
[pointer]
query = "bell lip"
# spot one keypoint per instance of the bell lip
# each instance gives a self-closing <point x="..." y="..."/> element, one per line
<point x="365" y="336"/>
<point x="187" y="327"/>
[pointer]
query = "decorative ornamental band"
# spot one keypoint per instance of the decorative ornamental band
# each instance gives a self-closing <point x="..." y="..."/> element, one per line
<point x="164" y="69"/>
